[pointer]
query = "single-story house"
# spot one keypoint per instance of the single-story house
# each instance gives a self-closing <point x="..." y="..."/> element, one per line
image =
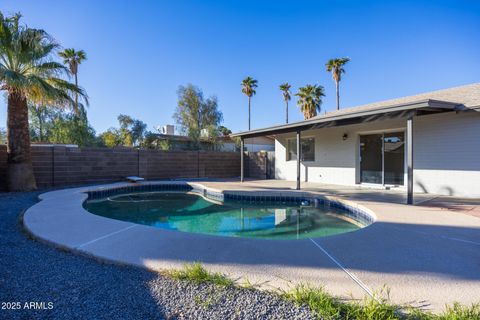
<point x="427" y="143"/>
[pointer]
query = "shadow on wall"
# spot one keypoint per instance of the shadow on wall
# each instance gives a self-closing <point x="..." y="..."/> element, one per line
<point x="447" y="191"/>
<point x="278" y="174"/>
<point x="444" y="190"/>
<point x="421" y="186"/>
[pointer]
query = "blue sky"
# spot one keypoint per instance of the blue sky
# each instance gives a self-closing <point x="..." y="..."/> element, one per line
<point x="139" y="52"/>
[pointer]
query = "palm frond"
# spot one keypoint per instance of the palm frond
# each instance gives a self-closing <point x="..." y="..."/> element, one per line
<point x="310" y="99"/>
<point x="285" y="88"/>
<point x="50" y="67"/>
<point x="27" y="64"/>
<point x="248" y="86"/>
<point x="69" y="88"/>
<point x="335" y="66"/>
<point x="73" y="58"/>
<point x="13" y="79"/>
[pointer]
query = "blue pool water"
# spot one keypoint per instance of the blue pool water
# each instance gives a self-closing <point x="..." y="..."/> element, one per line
<point x="189" y="212"/>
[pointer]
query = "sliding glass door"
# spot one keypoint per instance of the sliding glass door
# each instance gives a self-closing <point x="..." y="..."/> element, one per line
<point x="371" y="167"/>
<point x="394" y="157"/>
<point x="382" y="158"/>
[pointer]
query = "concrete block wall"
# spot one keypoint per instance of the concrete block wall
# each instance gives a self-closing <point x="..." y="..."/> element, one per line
<point x="219" y="164"/>
<point x="169" y="164"/>
<point x="63" y="166"/>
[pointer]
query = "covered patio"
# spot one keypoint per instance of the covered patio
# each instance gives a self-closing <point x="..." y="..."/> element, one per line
<point x="348" y="192"/>
<point x="404" y="112"/>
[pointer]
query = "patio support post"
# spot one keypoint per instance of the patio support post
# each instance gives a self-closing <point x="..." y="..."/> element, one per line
<point x="410" y="160"/>
<point x="299" y="156"/>
<point x="242" y="146"/>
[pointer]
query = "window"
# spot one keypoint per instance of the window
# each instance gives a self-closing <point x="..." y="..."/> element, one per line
<point x="291" y="149"/>
<point x="308" y="149"/>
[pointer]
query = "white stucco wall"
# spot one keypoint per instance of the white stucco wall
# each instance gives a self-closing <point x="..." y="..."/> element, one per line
<point x="335" y="159"/>
<point x="446" y="154"/>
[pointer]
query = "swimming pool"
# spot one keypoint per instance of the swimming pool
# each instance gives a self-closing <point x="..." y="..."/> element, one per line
<point x="186" y="211"/>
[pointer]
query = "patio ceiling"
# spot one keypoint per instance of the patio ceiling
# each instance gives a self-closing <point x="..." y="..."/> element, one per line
<point x="353" y="116"/>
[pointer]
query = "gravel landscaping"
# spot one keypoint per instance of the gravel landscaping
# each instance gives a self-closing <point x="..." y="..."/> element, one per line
<point x="83" y="288"/>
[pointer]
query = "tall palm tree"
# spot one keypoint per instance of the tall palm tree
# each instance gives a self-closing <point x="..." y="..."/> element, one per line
<point x="73" y="58"/>
<point x="335" y="66"/>
<point x="310" y="100"/>
<point x="248" y="88"/>
<point x="27" y="72"/>
<point x="285" y="88"/>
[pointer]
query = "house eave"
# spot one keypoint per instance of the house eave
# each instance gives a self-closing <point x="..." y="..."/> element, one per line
<point x="421" y="107"/>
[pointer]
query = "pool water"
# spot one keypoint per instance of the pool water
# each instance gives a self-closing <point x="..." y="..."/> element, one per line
<point x="189" y="212"/>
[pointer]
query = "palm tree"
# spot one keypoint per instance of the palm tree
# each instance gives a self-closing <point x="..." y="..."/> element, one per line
<point x="285" y="88"/>
<point x="73" y="58"/>
<point x="248" y="87"/>
<point x="335" y="66"/>
<point x="310" y="100"/>
<point x="27" y="72"/>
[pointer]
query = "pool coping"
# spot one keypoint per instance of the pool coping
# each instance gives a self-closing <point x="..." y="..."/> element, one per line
<point x="77" y="196"/>
<point x="61" y="220"/>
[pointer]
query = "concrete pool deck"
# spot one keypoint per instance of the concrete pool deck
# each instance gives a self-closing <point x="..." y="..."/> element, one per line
<point x="428" y="256"/>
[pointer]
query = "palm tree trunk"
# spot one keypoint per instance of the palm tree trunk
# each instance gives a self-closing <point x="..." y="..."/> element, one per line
<point x="76" y="96"/>
<point x="40" y="126"/>
<point x="248" y="113"/>
<point x="41" y="123"/>
<point x="20" y="175"/>
<point x="286" y="112"/>
<point x="337" y="87"/>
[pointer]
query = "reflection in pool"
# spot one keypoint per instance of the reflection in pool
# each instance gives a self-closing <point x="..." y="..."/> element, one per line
<point x="190" y="212"/>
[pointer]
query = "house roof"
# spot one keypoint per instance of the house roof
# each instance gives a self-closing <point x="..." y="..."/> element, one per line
<point x="468" y="96"/>
<point x="457" y="98"/>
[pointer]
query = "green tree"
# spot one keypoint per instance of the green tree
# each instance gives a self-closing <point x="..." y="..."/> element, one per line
<point x="285" y="88"/>
<point x="152" y="140"/>
<point x="3" y="136"/>
<point x="335" y="66"/>
<point x="194" y="113"/>
<point x="131" y="130"/>
<point x="164" y="145"/>
<point x="54" y="125"/>
<point x="39" y="122"/>
<point x="68" y="128"/>
<point x="224" y="131"/>
<point x="73" y="59"/>
<point x="27" y="73"/>
<point x="248" y="88"/>
<point x="130" y="133"/>
<point x="111" y="138"/>
<point x="310" y="100"/>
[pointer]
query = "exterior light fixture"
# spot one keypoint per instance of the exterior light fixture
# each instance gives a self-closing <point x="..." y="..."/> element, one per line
<point x="345" y="136"/>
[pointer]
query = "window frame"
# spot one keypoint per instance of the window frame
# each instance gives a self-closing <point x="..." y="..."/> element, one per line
<point x="288" y="158"/>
